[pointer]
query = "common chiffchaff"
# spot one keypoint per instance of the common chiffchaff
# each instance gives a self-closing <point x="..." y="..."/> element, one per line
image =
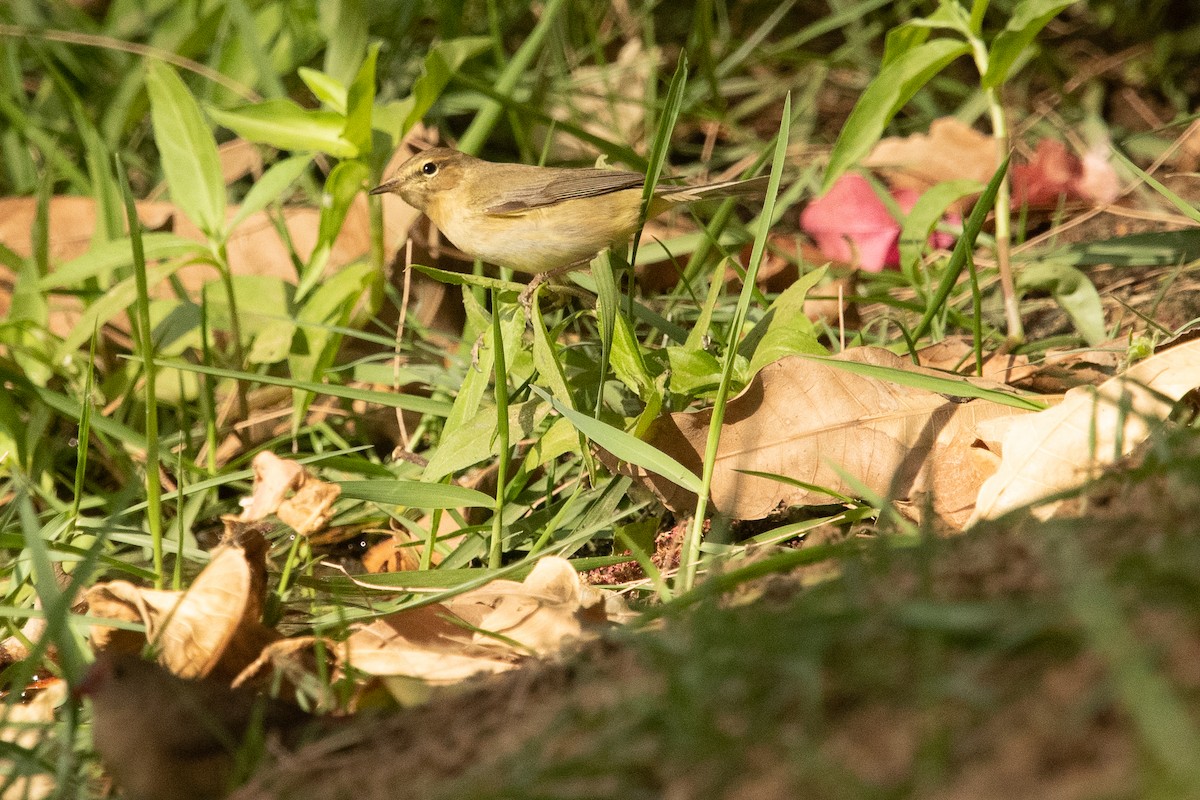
<point x="536" y="219"/>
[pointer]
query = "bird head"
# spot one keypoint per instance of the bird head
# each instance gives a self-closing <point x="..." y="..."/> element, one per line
<point x="425" y="175"/>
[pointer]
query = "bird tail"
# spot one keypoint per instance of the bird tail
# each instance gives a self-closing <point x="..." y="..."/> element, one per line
<point x="751" y="187"/>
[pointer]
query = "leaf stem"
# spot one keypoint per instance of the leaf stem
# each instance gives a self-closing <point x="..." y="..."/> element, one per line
<point x="140" y="313"/>
<point x="495" y="551"/>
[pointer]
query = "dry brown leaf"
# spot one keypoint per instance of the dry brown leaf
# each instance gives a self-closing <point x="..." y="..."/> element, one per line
<point x="1054" y="450"/>
<point x="957" y="354"/>
<point x="213" y="628"/>
<point x="540" y="613"/>
<point x="239" y="158"/>
<point x="290" y="492"/>
<point x="484" y="630"/>
<point x="402" y="552"/>
<point x="807" y="420"/>
<point x="424" y="643"/>
<point x="952" y="150"/>
<point x="310" y="508"/>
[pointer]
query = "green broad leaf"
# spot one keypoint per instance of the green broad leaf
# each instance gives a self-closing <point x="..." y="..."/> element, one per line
<point x="389" y="117"/>
<point x="360" y="101"/>
<point x="1073" y="291"/>
<point x="628" y="364"/>
<point x="630" y="367"/>
<point x="1027" y="21"/>
<point x="328" y="307"/>
<point x="785" y="329"/>
<point x="949" y="385"/>
<point x="547" y="359"/>
<point x="187" y="149"/>
<point x="270" y="187"/>
<point x="949" y="16"/>
<point x="272" y="343"/>
<point x="608" y="307"/>
<point x="344" y="183"/>
<point x="901" y="39"/>
<point x="478" y="376"/>
<point x="627" y="447"/>
<point x="701" y="327"/>
<point x="284" y="124"/>
<point x="104" y="258"/>
<point x="327" y="89"/>
<point x="264" y="304"/>
<point x="28" y="302"/>
<point x="416" y="494"/>
<point x="476" y="440"/>
<point x="790" y="336"/>
<point x="116" y="300"/>
<point x="919" y="224"/>
<point x="558" y="440"/>
<point x="693" y="372"/>
<point x="341" y="187"/>
<point x="444" y="59"/>
<point x="344" y="27"/>
<point x="892" y="88"/>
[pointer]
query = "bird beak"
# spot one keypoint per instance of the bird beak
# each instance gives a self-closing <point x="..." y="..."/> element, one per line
<point x="384" y="188"/>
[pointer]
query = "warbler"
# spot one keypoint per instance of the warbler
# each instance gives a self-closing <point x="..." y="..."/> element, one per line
<point x="536" y="219"/>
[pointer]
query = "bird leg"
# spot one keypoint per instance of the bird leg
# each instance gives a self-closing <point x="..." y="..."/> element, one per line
<point x="527" y="294"/>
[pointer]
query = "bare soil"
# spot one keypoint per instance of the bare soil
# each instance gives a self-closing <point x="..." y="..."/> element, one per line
<point x="944" y="668"/>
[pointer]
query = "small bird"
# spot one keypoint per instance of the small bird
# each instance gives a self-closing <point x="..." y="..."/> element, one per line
<point x="162" y="737"/>
<point x="536" y="219"/>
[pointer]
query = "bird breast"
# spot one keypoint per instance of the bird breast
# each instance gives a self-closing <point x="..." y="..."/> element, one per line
<point x="544" y="238"/>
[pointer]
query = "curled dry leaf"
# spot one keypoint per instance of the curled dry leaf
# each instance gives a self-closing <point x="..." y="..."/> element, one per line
<point x="811" y="422"/>
<point x="485" y="630"/>
<point x="402" y="552"/>
<point x="541" y="613"/>
<point x="1051" y="451"/>
<point x="428" y="643"/>
<point x="290" y="492"/>
<point x="212" y="629"/>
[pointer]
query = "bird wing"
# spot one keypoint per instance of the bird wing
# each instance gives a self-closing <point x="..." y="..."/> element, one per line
<point x="749" y="187"/>
<point x="566" y="184"/>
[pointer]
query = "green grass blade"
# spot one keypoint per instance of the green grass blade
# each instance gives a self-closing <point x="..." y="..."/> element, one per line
<point x="690" y="554"/>
<point x="625" y="446"/>
<point x="962" y="250"/>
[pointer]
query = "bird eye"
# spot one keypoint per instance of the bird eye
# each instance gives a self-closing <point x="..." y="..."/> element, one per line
<point x="429" y="168"/>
